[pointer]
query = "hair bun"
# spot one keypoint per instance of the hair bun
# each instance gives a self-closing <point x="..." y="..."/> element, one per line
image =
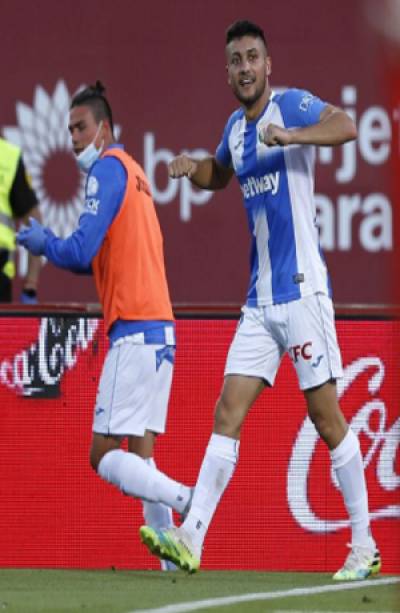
<point x="99" y="88"/>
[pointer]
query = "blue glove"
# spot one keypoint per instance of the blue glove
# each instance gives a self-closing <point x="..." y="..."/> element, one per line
<point x="28" y="296"/>
<point x="33" y="237"/>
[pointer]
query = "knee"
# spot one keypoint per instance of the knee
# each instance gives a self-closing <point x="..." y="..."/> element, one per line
<point x="101" y="446"/>
<point x="95" y="457"/>
<point x="331" y="426"/>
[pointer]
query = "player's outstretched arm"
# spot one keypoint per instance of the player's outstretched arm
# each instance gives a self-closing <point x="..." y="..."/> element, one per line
<point x="335" y="127"/>
<point x="206" y="173"/>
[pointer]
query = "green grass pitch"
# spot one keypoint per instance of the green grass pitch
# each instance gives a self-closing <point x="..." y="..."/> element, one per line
<point x="114" y="591"/>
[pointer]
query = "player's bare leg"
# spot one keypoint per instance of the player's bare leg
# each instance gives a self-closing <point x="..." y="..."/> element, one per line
<point x="184" y="544"/>
<point x="132" y="474"/>
<point x="324" y="411"/>
<point x="238" y="395"/>
<point x="101" y="445"/>
<point x="143" y="446"/>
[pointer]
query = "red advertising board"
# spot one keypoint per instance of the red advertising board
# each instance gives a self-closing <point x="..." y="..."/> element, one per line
<point x="163" y="65"/>
<point x="55" y="512"/>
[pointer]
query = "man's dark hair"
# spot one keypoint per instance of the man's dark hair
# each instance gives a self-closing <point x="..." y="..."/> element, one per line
<point x="244" y="28"/>
<point x="93" y="96"/>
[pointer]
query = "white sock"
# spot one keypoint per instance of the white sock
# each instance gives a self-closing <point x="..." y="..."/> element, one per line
<point x="215" y="473"/>
<point x="158" y="515"/>
<point x="134" y="477"/>
<point x="347" y="463"/>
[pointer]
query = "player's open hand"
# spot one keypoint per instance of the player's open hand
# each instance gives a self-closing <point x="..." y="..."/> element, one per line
<point x="272" y="135"/>
<point x="182" y="166"/>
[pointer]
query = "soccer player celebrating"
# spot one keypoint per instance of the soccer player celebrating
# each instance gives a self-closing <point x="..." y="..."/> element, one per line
<point x="119" y="239"/>
<point x="268" y="145"/>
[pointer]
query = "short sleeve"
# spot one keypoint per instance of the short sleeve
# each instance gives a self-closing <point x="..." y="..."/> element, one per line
<point x="300" y="108"/>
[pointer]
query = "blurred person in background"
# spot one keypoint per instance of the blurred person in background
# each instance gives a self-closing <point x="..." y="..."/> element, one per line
<point x="18" y="202"/>
<point x="119" y="240"/>
<point x="269" y="145"/>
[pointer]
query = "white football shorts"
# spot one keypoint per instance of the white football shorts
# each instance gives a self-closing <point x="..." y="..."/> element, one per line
<point x="304" y="328"/>
<point x="134" y="389"/>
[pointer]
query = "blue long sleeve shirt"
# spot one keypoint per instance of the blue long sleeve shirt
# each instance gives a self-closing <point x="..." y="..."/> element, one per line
<point x="104" y="193"/>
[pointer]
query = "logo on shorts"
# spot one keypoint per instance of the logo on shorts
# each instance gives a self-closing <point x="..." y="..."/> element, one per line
<point x="166" y="353"/>
<point x="301" y="351"/>
<point x="317" y="361"/>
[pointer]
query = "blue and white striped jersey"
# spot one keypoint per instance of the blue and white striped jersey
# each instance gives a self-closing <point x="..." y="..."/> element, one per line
<point x="278" y="192"/>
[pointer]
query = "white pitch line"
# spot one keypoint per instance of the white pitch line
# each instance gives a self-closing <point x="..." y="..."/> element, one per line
<point x="211" y="603"/>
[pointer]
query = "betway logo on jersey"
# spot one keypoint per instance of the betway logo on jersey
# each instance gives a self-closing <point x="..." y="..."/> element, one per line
<point x="254" y="186"/>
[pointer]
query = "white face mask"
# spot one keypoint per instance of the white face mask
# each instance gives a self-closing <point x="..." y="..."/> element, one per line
<point x="90" y="154"/>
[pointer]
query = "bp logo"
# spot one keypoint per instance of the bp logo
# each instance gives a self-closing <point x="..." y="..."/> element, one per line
<point x="42" y="133"/>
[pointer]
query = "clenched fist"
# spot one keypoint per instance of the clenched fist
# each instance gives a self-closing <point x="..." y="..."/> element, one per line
<point x="271" y="135"/>
<point x="182" y="166"/>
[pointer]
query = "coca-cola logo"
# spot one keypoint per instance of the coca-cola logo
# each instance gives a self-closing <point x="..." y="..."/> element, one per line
<point x="38" y="370"/>
<point x="384" y="441"/>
